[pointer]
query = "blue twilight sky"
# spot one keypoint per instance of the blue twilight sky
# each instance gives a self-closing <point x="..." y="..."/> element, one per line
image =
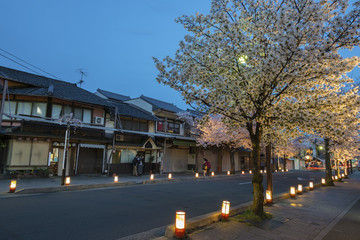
<point x="112" y="40"/>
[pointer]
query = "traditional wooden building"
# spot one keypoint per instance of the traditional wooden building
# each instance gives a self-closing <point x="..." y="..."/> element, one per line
<point x="33" y="125"/>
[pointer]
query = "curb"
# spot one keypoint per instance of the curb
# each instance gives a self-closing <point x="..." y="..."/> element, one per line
<point x="112" y="184"/>
<point x="195" y="223"/>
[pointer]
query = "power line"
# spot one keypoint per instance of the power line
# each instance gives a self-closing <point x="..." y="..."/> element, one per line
<point x="21" y="64"/>
<point x="26" y="63"/>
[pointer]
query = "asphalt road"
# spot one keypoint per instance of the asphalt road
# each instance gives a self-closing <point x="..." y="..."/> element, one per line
<point x="119" y="212"/>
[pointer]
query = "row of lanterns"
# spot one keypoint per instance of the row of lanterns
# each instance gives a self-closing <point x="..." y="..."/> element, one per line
<point x="180" y="219"/>
<point x="300" y="188"/>
<point x="116" y="178"/>
<point x="225" y="209"/>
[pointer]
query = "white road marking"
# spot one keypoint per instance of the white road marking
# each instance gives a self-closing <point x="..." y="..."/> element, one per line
<point x="242" y="183"/>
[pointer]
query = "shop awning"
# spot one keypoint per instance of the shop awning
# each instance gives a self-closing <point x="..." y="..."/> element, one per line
<point x="184" y="143"/>
<point x="84" y="145"/>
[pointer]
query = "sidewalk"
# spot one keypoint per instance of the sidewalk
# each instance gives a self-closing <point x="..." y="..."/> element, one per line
<point x="314" y="215"/>
<point x="52" y="184"/>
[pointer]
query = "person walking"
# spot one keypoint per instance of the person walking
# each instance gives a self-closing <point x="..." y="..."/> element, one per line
<point x="135" y="165"/>
<point x="206" y="167"/>
<point x="140" y="166"/>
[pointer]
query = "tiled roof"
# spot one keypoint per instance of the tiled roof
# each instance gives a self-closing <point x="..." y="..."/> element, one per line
<point x="114" y="96"/>
<point x="157" y="104"/>
<point x="40" y="86"/>
<point x="195" y="113"/>
<point x="130" y="110"/>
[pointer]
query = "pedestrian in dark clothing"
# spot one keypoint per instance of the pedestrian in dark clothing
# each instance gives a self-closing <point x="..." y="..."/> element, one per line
<point x="135" y="163"/>
<point x="140" y="166"/>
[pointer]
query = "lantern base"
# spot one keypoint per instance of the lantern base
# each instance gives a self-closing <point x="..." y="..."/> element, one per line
<point x="224" y="216"/>
<point x="179" y="233"/>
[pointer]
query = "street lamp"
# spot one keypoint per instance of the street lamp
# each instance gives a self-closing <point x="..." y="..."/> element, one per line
<point x="311" y="186"/>
<point x="67" y="181"/>
<point x="300" y="189"/>
<point x="180" y="224"/>
<point x="292" y="191"/>
<point x="268" y="197"/>
<point x="12" y="186"/>
<point x="225" y="209"/>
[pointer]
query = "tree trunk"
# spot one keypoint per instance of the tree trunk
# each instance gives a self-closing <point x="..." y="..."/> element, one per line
<point x="232" y="161"/>
<point x="257" y="179"/>
<point x="219" y="160"/>
<point x="285" y="163"/>
<point x="328" y="171"/>
<point x="269" y="185"/>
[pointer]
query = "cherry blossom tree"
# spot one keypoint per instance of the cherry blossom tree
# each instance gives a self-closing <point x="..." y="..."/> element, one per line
<point x="218" y="131"/>
<point x="263" y="63"/>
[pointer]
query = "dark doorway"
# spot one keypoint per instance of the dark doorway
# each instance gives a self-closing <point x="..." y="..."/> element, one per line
<point x="90" y="160"/>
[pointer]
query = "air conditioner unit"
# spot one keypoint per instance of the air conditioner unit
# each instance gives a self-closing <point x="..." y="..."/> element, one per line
<point x="99" y="120"/>
<point x="119" y="138"/>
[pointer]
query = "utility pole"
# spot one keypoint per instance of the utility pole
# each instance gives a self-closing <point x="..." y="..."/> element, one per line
<point x="66" y="152"/>
<point x="5" y="86"/>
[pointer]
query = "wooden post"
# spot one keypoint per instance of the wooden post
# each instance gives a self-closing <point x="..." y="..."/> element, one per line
<point x="5" y="84"/>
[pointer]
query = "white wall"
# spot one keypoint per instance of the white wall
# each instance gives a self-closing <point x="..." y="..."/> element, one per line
<point x="141" y="103"/>
<point x="175" y="160"/>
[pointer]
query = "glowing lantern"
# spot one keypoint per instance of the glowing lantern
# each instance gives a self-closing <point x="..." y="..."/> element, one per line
<point x="242" y="172"/>
<point x="336" y="177"/>
<point x="67" y="181"/>
<point x="282" y="170"/>
<point x="151" y="176"/>
<point x="268" y="196"/>
<point x="225" y="209"/>
<point x="212" y="174"/>
<point x="292" y="191"/>
<point x="342" y="175"/>
<point x="12" y="186"/>
<point x="275" y="170"/>
<point x="116" y="179"/>
<point x="170" y="176"/>
<point x="323" y="181"/>
<point x="287" y="170"/>
<point x="180" y="224"/>
<point x="264" y="171"/>
<point x="250" y="172"/>
<point x="228" y="172"/>
<point x="261" y="171"/>
<point x="196" y="175"/>
<point x="311" y="186"/>
<point x="300" y="189"/>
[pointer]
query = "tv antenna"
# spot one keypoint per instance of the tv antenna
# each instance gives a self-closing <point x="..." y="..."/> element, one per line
<point x="82" y="74"/>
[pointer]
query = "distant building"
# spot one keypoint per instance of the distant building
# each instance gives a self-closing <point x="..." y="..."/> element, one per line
<point x="32" y="135"/>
